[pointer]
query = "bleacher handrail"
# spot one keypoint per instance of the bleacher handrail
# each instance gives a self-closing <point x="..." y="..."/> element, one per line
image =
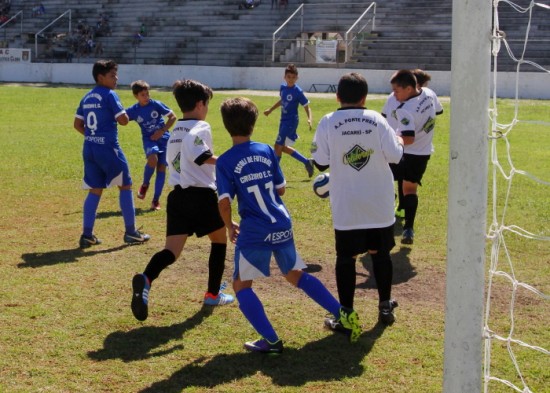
<point x="12" y="18"/>
<point x="348" y="32"/>
<point x="48" y="25"/>
<point x="275" y="39"/>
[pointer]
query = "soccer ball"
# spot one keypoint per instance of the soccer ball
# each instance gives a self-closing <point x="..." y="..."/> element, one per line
<point x="321" y="185"/>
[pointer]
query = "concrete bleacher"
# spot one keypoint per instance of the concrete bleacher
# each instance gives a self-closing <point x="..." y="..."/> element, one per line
<point x="408" y="33"/>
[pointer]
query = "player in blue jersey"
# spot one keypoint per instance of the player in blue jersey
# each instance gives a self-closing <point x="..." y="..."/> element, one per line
<point x="250" y="172"/>
<point x="105" y="165"/>
<point x="291" y="97"/>
<point x="149" y="114"/>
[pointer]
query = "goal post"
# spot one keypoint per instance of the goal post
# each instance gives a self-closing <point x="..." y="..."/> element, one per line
<point x="467" y="199"/>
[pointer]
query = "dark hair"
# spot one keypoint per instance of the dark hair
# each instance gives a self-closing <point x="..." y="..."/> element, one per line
<point x="189" y="92"/>
<point x="291" y="69"/>
<point x="138" y="86"/>
<point x="352" y="88"/>
<point x="404" y="78"/>
<point x="102" y="67"/>
<point x="422" y="77"/>
<point x="239" y="116"/>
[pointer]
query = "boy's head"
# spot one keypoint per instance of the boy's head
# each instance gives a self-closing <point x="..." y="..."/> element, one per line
<point x="239" y="116"/>
<point x="105" y="73"/>
<point x="141" y="91"/>
<point x="188" y="93"/>
<point x="422" y="77"/>
<point x="352" y="89"/>
<point x="404" y="85"/>
<point x="291" y="75"/>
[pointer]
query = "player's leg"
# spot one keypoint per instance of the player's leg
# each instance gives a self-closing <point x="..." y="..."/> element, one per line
<point x="214" y="295"/>
<point x="94" y="182"/>
<point x="413" y="170"/>
<point x="382" y="266"/>
<point x="287" y="138"/>
<point x="151" y="151"/>
<point x="159" y="185"/>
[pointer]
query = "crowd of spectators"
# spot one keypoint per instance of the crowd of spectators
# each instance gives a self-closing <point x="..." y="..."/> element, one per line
<point x="5" y="8"/>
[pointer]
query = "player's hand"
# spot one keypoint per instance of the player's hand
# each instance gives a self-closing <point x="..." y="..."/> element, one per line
<point x="267" y="112"/>
<point x="234" y="232"/>
<point x="157" y="135"/>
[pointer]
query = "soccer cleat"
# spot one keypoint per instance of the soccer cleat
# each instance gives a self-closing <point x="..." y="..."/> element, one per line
<point x="220" y="300"/>
<point x="335" y="325"/>
<point x="309" y="167"/>
<point x="399" y="213"/>
<point x="350" y="320"/>
<point x="264" y="346"/>
<point x="142" y="191"/>
<point x="140" y="296"/>
<point x="408" y="236"/>
<point x="136" y="238"/>
<point x="385" y="311"/>
<point x="88" y="241"/>
<point x="155" y="205"/>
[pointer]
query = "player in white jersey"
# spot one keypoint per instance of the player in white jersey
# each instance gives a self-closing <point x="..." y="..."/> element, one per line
<point x="414" y="120"/>
<point x="422" y="79"/>
<point x="250" y="172"/>
<point x="96" y="118"/>
<point x="192" y="206"/>
<point x="357" y="144"/>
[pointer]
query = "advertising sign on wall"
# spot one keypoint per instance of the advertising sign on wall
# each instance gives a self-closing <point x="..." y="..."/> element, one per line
<point x="15" y="55"/>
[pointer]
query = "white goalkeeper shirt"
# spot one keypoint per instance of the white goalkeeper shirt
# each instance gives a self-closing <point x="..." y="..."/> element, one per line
<point x="358" y="144"/>
<point x="189" y="140"/>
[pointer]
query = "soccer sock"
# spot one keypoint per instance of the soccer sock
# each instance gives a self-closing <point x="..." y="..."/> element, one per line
<point x="345" y="280"/>
<point x="295" y="154"/>
<point x="148" y="173"/>
<point x="318" y="292"/>
<point x="158" y="263"/>
<point x="400" y="203"/>
<point x="253" y="310"/>
<point x="126" y="200"/>
<point x="410" y="203"/>
<point x="382" y="267"/>
<point x="89" y="212"/>
<point x="159" y="184"/>
<point x="216" y="266"/>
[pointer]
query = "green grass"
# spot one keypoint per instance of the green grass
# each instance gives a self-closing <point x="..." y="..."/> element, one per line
<point x="65" y="320"/>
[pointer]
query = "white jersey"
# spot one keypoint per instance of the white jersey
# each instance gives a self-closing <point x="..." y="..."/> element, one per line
<point x="189" y="140"/>
<point x="437" y="103"/>
<point x="358" y="144"/>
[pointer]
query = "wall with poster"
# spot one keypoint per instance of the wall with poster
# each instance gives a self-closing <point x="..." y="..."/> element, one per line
<point x="15" y="55"/>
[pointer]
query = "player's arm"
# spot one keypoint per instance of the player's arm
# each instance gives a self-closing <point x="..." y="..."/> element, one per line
<point x="169" y="123"/>
<point x="122" y="119"/>
<point x="79" y="125"/>
<point x="309" y="115"/>
<point x="224" y="206"/>
<point x="267" y="112"/>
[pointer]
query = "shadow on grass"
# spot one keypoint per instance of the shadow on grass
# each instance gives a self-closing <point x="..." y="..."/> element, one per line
<point x="41" y="259"/>
<point x="140" y="343"/>
<point x="328" y="359"/>
<point x="118" y="213"/>
<point x="403" y="270"/>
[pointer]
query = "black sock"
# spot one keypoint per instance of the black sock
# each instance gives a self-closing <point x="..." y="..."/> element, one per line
<point x="158" y="263"/>
<point x="345" y="280"/>
<point x="400" y="202"/>
<point x="410" y="205"/>
<point x="216" y="266"/>
<point x="382" y="267"/>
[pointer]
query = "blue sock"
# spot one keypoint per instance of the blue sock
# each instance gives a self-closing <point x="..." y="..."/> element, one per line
<point x="253" y="310"/>
<point x="299" y="157"/>
<point x="126" y="199"/>
<point x="147" y="174"/>
<point x="159" y="185"/>
<point x="318" y="292"/>
<point x="89" y="212"/>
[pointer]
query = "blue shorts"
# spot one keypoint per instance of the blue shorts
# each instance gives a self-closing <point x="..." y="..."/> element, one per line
<point x="104" y="166"/>
<point x="157" y="147"/>
<point x="254" y="263"/>
<point x="287" y="133"/>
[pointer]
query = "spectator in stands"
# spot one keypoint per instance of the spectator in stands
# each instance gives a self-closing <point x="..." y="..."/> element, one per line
<point x="143" y="30"/>
<point x="38" y="9"/>
<point x="137" y="39"/>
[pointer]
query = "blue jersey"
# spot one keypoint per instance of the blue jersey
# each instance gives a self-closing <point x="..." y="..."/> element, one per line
<point x="291" y="97"/>
<point x="149" y="117"/>
<point x="251" y="172"/>
<point x="99" y="110"/>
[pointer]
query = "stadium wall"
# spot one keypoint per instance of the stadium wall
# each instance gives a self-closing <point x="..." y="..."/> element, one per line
<point x="535" y="85"/>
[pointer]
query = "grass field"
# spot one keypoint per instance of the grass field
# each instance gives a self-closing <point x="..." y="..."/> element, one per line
<point x="65" y="320"/>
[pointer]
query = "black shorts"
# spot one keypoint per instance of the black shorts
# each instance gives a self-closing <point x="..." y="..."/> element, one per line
<point x="411" y="168"/>
<point x="192" y="210"/>
<point x="359" y="241"/>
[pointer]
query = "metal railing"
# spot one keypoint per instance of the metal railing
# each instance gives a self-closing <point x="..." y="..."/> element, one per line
<point x="3" y="26"/>
<point x="349" y="39"/>
<point x="50" y="24"/>
<point x="276" y="39"/>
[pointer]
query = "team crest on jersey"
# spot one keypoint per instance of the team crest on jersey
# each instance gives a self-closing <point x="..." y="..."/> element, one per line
<point x="357" y="157"/>
<point x="154" y="115"/>
<point x="429" y="125"/>
<point x="198" y="141"/>
<point x="313" y="147"/>
<point x="289" y="97"/>
<point x="176" y="163"/>
<point x="405" y="121"/>
<point x="139" y="119"/>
